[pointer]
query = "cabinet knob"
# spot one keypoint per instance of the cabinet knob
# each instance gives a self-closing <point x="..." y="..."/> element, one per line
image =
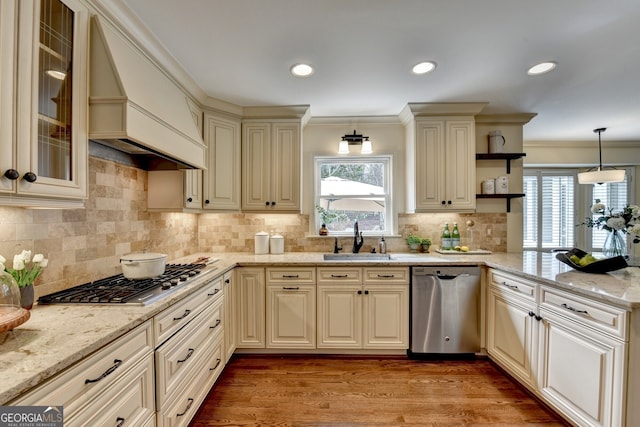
<point x="266" y="203"/>
<point x="359" y="292"/>
<point x="30" y="177"/>
<point x="273" y="203"/>
<point x="11" y="174"/>
<point x="448" y="202"/>
<point x="189" y="200"/>
<point x="443" y="203"/>
<point x="206" y="202"/>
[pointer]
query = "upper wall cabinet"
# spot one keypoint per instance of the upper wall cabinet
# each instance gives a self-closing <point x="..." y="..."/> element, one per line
<point x="43" y="144"/>
<point x="221" y="180"/>
<point x="441" y="157"/>
<point x="271" y="158"/>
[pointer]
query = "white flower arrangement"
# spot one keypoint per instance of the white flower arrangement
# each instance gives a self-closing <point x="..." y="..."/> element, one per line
<point x="25" y="270"/>
<point x="626" y="221"/>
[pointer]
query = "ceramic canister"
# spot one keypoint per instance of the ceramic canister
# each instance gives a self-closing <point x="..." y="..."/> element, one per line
<point x="488" y="186"/>
<point x="502" y="185"/>
<point x="277" y="244"/>
<point x="262" y="243"/>
<point x="496" y="141"/>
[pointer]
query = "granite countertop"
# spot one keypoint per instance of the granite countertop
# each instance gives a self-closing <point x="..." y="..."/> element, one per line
<point x="56" y="336"/>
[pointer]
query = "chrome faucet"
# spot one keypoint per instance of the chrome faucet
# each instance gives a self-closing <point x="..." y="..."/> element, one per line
<point x="357" y="245"/>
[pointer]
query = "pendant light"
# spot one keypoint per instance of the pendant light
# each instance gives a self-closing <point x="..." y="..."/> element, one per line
<point x="355" y="139"/>
<point x="600" y="175"/>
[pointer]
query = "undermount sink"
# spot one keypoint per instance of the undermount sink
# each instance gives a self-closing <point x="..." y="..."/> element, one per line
<point x="356" y="257"/>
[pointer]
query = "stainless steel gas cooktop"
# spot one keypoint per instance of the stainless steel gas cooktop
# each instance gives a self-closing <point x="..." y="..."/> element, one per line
<point x="120" y="290"/>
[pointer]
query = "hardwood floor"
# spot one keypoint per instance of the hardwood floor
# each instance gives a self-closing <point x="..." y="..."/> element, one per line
<point x="313" y="390"/>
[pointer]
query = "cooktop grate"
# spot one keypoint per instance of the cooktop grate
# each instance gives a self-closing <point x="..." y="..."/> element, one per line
<point x="120" y="290"/>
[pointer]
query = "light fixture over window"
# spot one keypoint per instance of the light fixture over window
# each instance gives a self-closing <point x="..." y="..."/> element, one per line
<point x="355" y="139"/>
<point x="600" y="176"/>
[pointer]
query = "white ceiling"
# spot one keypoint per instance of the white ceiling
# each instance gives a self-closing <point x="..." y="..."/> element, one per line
<point x="240" y="51"/>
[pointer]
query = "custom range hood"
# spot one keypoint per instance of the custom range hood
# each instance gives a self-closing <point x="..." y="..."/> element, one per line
<point x="135" y="108"/>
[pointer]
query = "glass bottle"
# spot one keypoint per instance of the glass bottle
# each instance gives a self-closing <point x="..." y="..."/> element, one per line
<point x="455" y="236"/>
<point x="446" y="238"/>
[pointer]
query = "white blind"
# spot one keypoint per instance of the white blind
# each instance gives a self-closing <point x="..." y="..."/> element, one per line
<point x="549" y="210"/>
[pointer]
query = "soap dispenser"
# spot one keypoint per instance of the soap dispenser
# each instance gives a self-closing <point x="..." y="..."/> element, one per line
<point x="382" y="246"/>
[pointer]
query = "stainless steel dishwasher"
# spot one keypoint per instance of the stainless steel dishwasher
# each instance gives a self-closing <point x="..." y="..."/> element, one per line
<point x="445" y="310"/>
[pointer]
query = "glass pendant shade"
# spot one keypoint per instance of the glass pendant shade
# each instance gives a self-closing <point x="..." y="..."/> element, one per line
<point x="601" y="176"/>
<point x="343" y="148"/>
<point x="366" y="147"/>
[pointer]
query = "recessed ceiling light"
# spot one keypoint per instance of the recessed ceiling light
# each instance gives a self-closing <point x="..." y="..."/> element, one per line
<point x="301" y="70"/>
<point x="56" y="74"/>
<point x="541" y="68"/>
<point x="424" y="67"/>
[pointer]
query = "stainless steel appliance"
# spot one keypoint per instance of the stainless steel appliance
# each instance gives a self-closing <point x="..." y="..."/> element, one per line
<point x="445" y="310"/>
<point x="120" y="290"/>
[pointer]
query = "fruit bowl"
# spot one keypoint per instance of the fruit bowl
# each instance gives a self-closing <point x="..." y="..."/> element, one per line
<point x="601" y="266"/>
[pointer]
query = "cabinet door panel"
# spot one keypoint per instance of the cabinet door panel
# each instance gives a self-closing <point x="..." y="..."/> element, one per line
<point x="291" y="316"/>
<point x="510" y="336"/>
<point x="429" y="165"/>
<point x="286" y="166"/>
<point x="582" y="372"/>
<point x="251" y="310"/>
<point x="386" y="323"/>
<point x="221" y="182"/>
<point x="461" y="164"/>
<point x="339" y="316"/>
<point x="256" y="182"/>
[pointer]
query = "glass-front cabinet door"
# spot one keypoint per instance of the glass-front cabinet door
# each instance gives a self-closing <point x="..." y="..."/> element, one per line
<point x="51" y="137"/>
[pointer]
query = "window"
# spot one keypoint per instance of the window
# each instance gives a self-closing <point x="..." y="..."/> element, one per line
<point x="549" y="219"/>
<point x="350" y="190"/>
<point x="555" y="204"/>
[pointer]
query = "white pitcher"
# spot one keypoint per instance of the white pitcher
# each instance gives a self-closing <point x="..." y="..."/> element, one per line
<point x="496" y="141"/>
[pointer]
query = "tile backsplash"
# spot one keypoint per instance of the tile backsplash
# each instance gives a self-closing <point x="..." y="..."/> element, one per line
<point x="86" y="244"/>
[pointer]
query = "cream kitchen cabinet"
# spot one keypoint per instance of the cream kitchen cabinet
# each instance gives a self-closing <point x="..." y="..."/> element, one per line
<point x="271" y="157"/>
<point x="511" y="325"/>
<point x="250" y="317"/>
<point x="215" y="189"/>
<point x="221" y="180"/>
<point x="291" y="308"/>
<point x="583" y="357"/>
<point x="44" y="144"/>
<point x="230" y="333"/>
<point x="363" y="308"/>
<point x="96" y="384"/>
<point x="440" y="151"/>
<point x="570" y="350"/>
<point x="445" y="165"/>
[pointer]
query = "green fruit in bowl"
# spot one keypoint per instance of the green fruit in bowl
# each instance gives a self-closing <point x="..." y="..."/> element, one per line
<point x="584" y="261"/>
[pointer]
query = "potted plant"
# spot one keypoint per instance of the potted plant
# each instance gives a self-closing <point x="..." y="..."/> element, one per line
<point x="425" y="243"/>
<point x="414" y="242"/>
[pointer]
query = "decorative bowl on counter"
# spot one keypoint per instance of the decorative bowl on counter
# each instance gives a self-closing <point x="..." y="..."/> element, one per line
<point x="600" y="266"/>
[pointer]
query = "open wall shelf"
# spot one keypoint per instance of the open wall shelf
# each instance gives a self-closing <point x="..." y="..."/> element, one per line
<point x="500" y="156"/>
<point x="507" y="196"/>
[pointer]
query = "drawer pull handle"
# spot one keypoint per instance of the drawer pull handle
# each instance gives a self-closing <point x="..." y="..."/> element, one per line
<point x="214" y="292"/>
<point x="119" y="422"/>
<point x="532" y="314"/>
<point x="217" y="364"/>
<point x="189" y="353"/>
<point x="386" y="276"/>
<point x="290" y="276"/>
<point x="190" y="400"/>
<point x="227" y="281"/>
<point x="116" y="364"/>
<point x="339" y="276"/>
<point x="216" y="325"/>
<point x="291" y="288"/>
<point x="568" y="307"/>
<point x="515" y="287"/>
<point x="186" y="313"/>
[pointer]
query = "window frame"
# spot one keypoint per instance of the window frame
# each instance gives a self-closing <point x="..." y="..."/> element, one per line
<point x="387" y="161"/>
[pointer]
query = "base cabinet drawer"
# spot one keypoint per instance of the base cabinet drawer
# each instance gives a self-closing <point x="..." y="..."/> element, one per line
<point x="89" y="378"/>
<point x="176" y="359"/>
<point x="130" y="402"/>
<point x="192" y="392"/>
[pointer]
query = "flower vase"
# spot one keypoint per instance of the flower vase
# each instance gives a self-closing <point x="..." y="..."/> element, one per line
<point x="614" y="245"/>
<point x="26" y="297"/>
